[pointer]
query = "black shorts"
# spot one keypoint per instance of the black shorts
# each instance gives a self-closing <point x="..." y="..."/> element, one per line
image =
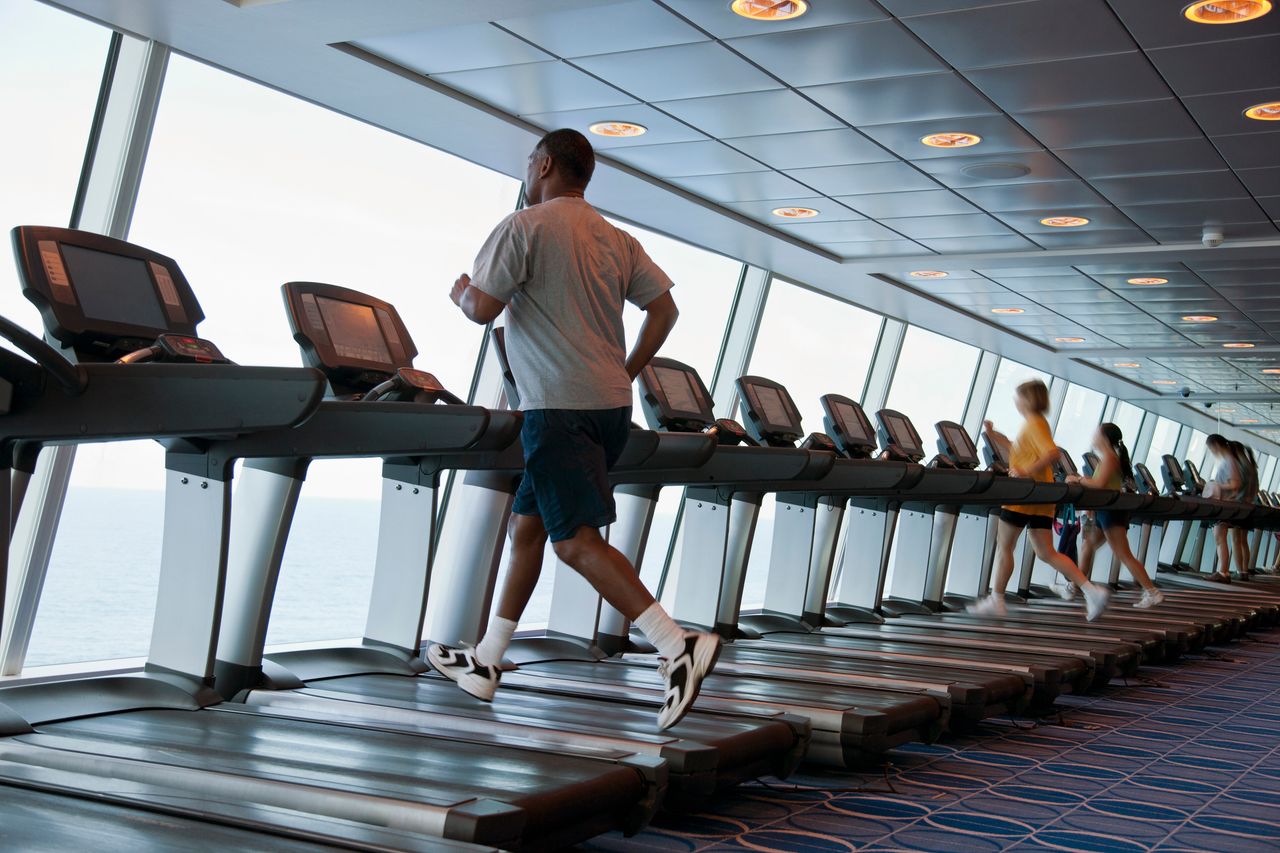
<point x="1111" y="518"/>
<point x="567" y="457"/>
<point x="1021" y="520"/>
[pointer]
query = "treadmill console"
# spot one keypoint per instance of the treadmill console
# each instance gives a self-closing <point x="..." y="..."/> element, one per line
<point x="994" y="454"/>
<point x="955" y="445"/>
<point x="848" y="426"/>
<point x="1194" y="482"/>
<point x="898" y="437"/>
<point x="101" y="297"/>
<point x="188" y="348"/>
<point x="358" y="341"/>
<point x="1146" y="484"/>
<point x="1171" y="472"/>
<point x="1090" y="463"/>
<point x="769" y="413"/>
<point x="1064" y="466"/>
<point x="674" y="397"/>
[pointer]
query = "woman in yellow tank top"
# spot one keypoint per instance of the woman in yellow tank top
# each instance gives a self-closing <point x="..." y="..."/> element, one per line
<point x="1032" y="455"/>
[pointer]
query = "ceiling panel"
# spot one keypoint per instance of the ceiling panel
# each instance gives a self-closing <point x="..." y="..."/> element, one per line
<point x="897" y="99"/>
<point x="748" y="114"/>
<point x="713" y="17"/>
<point x="1194" y="213"/>
<point x="1088" y="238"/>
<point x="695" y="70"/>
<point x="742" y="186"/>
<point x="1271" y="204"/>
<point x="680" y="159"/>
<point x="999" y="135"/>
<point x="461" y="48"/>
<point x="1028" y="222"/>
<point x="1111" y="124"/>
<point x="1221" y="66"/>
<point x="828" y="210"/>
<point x="874" y="248"/>
<point x="1192" y="186"/>
<point x="1034" y="31"/>
<point x="1171" y="28"/>
<point x="1262" y="181"/>
<point x="538" y="87"/>
<point x="1039" y="195"/>
<point x="977" y="224"/>
<point x="838" y="232"/>
<point x="1154" y="158"/>
<point x="1080" y="82"/>
<point x="919" y="203"/>
<point x="1233" y="231"/>
<point x="603" y="28"/>
<point x="1221" y="114"/>
<point x="1008" y="243"/>
<point x="812" y="149"/>
<point x="864" y="178"/>
<point x="662" y="128"/>
<point x="862" y="51"/>
<point x="967" y="171"/>
<point x="1248" y="150"/>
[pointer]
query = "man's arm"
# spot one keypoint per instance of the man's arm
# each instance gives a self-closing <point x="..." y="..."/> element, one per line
<point x="478" y="306"/>
<point x="659" y="319"/>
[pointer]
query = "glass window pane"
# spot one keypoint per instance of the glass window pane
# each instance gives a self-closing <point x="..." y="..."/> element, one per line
<point x="1129" y="418"/>
<point x="1001" y="410"/>
<point x="248" y="188"/>
<point x="932" y="380"/>
<point x="1163" y="440"/>
<point x="794" y="347"/>
<point x="1268" y="471"/>
<point x="1081" y="413"/>
<point x="1197" y="449"/>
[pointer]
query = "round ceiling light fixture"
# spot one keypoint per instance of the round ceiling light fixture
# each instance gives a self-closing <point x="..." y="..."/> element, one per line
<point x="1271" y="370"/>
<point x="1069" y="340"/>
<point x="795" y="212"/>
<point x="618" y="129"/>
<point x="1237" y="345"/>
<point x="927" y="274"/>
<point x="1199" y="318"/>
<point x="1270" y="111"/>
<point x="1248" y="421"/>
<point x="1226" y="11"/>
<point x="769" y="10"/>
<point x="996" y="171"/>
<point x="1164" y="382"/>
<point x="951" y="139"/>
<point x="1127" y="364"/>
<point x="1064" y="221"/>
<point x="1147" y="281"/>
<point x="1008" y="311"/>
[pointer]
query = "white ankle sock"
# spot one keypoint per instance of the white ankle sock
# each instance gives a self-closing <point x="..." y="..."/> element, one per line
<point x="662" y="631"/>
<point x="496" y="639"/>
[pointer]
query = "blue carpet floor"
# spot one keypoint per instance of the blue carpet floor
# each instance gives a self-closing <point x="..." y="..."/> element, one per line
<point x="1187" y="759"/>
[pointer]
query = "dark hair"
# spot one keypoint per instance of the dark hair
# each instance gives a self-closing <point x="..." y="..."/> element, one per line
<point x="571" y="152"/>
<point x="1035" y="394"/>
<point x="1219" y="441"/>
<point x="1248" y="469"/>
<point x="1115" y="438"/>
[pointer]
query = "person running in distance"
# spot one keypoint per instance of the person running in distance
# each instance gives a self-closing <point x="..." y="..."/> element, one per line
<point x="561" y="273"/>
<point x="1248" y="494"/>
<point x="1226" y="484"/>
<point x="1032" y="454"/>
<point x="1112" y="526"/>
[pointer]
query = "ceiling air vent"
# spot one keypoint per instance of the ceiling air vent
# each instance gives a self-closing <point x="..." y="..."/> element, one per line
<point x="996" y="171"/>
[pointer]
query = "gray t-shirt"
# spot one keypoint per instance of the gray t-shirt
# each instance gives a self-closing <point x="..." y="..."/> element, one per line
<point x="563" y="272"/>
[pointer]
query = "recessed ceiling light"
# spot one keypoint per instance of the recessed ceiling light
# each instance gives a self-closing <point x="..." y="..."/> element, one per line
<point x="1164" y="382"/>
<point x="1147" y="281"/>
<point x="1007" y="311"/>
<point x="1248" y="420"/>
<point x="1064" y="221"/>
<point x="1226" y="11"/>
<point x="1069" y="340"/>
<point x="1199" y="318"/>
<point x="1227" y="411"/>
<point x="795" y="212"/>
<point x="1238" y="346"/>
<point x="1271" y="370"/>
<point x="770" y="10"/>
<point x="1127" y="364"/>
<point x="1269" y="111"/>
<point x="617" y="128"/>
<point x="951" y="139"/>
<point x="928" y="274"/>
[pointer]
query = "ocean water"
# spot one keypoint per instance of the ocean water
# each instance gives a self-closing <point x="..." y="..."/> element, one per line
<point x="100" y="592"/>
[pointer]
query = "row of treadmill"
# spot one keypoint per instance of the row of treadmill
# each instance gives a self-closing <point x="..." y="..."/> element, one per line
<point x="861" y="645"/>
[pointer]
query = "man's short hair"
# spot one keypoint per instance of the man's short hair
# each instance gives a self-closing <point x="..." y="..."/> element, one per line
<point x="571" y="152"/>
<point x="1036" y="395"/>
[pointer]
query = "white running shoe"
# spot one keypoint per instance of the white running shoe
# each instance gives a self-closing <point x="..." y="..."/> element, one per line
<point x="990" y="605"/>
<point x="1150" y="598"/>
<point x="1096" y="599"/>
<point x="461" y="667"/>
<point x="684" y="673"/>
<point x="1066" y="591"/>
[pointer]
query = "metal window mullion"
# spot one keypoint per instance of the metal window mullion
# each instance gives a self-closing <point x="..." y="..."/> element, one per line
<point x="884" y="363"/>
<point x="984" y="382"/>
<point x="739" y="340"/>
<point x="1057" y="396"/>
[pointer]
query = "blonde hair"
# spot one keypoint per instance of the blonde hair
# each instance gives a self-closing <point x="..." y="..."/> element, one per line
<point x="1035" y="394"/>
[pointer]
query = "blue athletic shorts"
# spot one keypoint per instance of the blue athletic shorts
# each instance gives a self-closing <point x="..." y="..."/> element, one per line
<point x="567" y="457"/>
<point x="1111" y="518"/>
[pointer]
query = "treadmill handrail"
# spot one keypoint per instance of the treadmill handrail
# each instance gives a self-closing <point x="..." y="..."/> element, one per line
<point x="72" y="377"/>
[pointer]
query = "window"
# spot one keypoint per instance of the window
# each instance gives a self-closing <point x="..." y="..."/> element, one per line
<point x="1129" y="418"/>
<point x="813" y="344"/>
<point x="1268" y="468"/>
<point x="1163" y="440"/>
<point x="1081" y="413"/>
<point x="1001" y="409"/>
<point x="932" y="380"/>
<point x="705" y="285"/>
<point x="248" y="188"/>
<point x="1197" y="449"/>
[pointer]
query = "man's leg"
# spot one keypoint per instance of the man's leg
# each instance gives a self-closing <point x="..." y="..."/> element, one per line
<point x="604" y="567"/>
<point x="1095" y="595"/>
<point x="992" y="604"/>
<point x="528" y="542"/>
<point x="1220" y="532"/>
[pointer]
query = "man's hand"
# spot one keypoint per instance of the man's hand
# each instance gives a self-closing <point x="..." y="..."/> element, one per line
<point x="459" y="288"/>
<point x="1074" y="478"/>
<point x="659" y="319"/>
<point x="1016" y="472"/>
<point x="987" y="425"/>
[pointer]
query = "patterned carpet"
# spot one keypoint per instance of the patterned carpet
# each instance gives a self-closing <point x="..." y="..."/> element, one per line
<point x="1188" y="759"/>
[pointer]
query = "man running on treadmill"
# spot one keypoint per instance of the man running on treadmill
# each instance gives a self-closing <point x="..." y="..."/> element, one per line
<point x="561" y="273"/>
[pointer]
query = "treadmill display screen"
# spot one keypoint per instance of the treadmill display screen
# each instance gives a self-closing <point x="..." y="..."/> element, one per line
<point x="901" y="433"/>
<point x="354" y="330"/>
<point x="850" y="423"/>
<point x="114" y="288"/>
<point x="678" y="386"/>
<point x="958" y="441"/>
<point x="772" y="408"/>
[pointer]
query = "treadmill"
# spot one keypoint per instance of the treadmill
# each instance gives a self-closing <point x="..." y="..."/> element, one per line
<point x="379" y="405"/>
<point x="113" y="306"/>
